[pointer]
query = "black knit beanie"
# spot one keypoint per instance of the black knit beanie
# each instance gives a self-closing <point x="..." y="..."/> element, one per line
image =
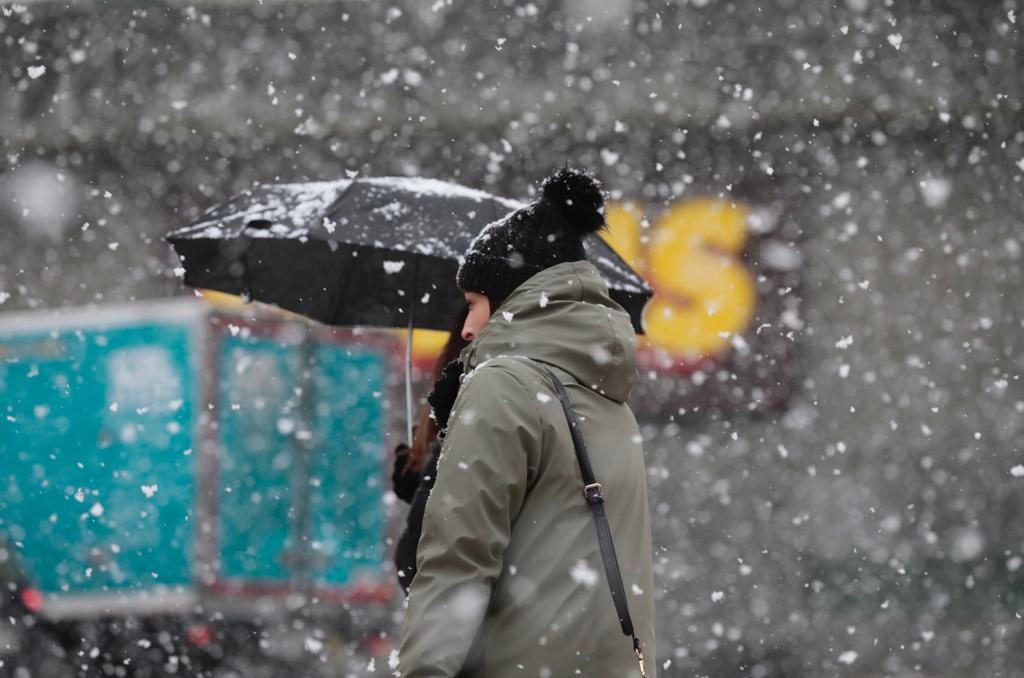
<point x="546" y="232"/>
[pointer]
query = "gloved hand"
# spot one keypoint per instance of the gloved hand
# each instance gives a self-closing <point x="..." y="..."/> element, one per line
<point x="403" y="482"/>
<point x="442" y="396"/>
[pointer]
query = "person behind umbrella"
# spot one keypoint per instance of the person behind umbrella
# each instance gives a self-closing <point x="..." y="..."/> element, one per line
<point x="415" y="467"/>
<point x="510" y="580"/>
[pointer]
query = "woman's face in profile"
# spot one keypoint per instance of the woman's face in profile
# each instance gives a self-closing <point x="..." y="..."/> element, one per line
<point x="479" y="313"/>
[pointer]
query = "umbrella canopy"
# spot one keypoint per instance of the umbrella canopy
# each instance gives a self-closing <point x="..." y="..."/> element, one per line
<point x="379" y="251"/>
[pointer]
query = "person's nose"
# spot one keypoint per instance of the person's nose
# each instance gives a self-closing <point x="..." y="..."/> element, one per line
<point x="468" y="334"/>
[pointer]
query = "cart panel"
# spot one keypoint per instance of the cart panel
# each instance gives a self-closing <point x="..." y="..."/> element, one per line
<point x="98" y="484"/>
<point x="299" y="462"/>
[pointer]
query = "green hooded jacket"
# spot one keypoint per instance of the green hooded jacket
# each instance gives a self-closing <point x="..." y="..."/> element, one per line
<point x="509" y="578"/>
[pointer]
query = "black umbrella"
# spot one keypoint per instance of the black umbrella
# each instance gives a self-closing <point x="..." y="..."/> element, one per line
<point x="379" y="251"/>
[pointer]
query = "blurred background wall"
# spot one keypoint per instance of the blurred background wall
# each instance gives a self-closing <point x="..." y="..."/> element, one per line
<point x="834" y="491"/>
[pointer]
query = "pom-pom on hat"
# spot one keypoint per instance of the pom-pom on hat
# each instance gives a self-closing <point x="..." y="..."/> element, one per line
<point x="546" y="232"/>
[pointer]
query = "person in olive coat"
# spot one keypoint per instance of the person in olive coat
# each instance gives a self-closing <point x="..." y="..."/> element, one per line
<point x="509" y="577"/>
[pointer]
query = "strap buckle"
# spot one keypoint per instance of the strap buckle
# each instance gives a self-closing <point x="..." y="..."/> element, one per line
<point x="593" y="493"/>
<point x="639" y="656"/>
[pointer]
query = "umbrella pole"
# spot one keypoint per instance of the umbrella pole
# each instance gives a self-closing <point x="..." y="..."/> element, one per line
<point x="408" y="384"/>
<point x="408" y="352"/>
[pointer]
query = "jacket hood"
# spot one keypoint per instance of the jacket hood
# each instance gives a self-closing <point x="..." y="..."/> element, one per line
<point x="563" y="316"/>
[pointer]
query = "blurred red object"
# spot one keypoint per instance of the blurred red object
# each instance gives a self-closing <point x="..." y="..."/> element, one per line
<point x="199" y="635"/>
<point x="375" y="645"/>
<point x="32" y="599"/>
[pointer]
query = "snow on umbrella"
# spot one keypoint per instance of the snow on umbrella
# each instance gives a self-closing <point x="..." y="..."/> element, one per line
<point x="378" y="251"/>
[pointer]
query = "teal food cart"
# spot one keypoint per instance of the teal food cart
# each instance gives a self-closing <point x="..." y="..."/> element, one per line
<point x="165" y="455"/>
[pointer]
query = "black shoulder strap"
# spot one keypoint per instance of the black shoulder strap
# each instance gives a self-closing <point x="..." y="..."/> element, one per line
<point x="594" y="494"/>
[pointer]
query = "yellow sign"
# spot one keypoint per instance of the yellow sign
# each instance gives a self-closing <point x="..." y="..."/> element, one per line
<point x="704" y="295"/>
<point x="426" y="345"/>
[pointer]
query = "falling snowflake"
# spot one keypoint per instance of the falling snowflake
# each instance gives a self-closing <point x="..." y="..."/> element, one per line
<point x="582" y="573"/>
